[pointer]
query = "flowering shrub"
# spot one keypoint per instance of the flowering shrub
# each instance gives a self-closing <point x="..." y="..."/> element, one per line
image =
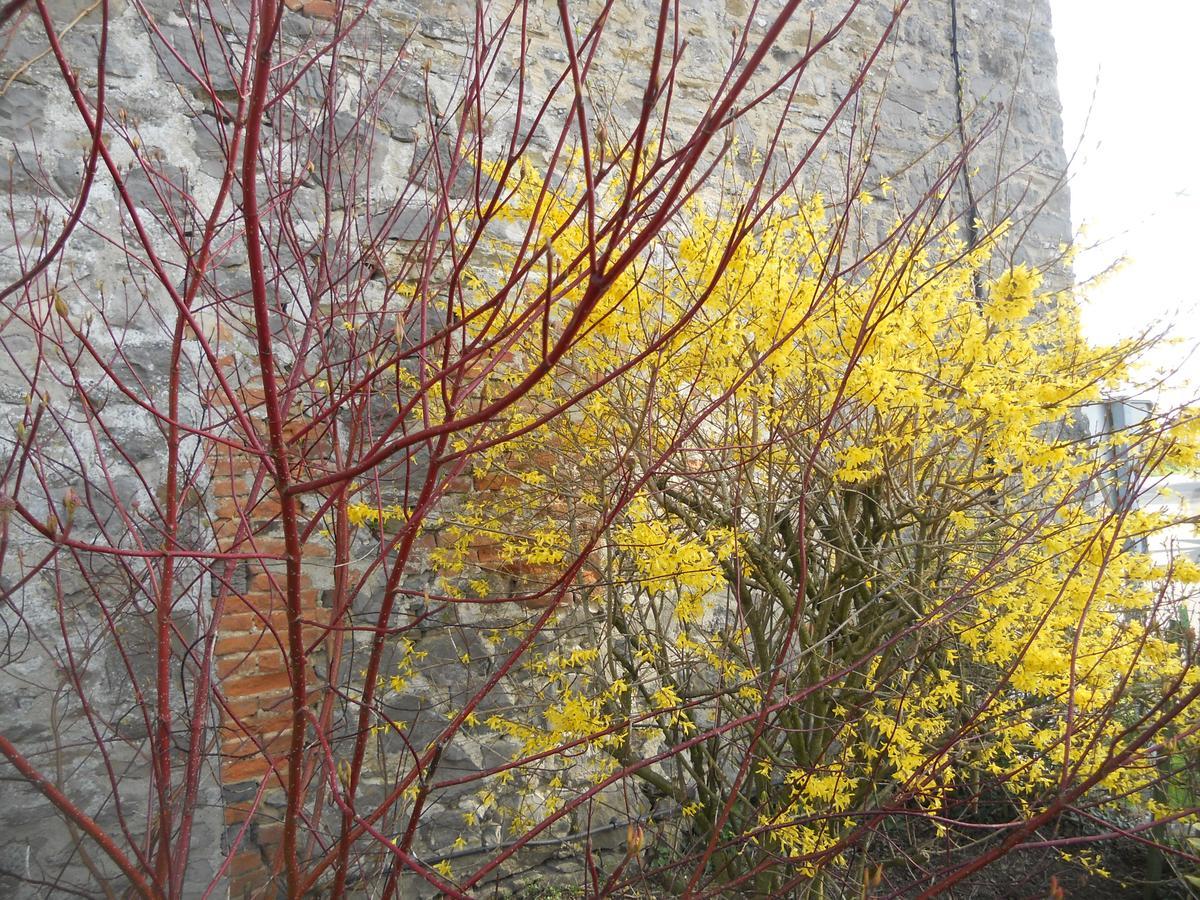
<point x="372" y="465"/>
<point x="846" y="558"/>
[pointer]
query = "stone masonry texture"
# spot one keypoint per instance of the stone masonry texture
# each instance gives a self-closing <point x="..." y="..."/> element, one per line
<point x="911" y="105"/>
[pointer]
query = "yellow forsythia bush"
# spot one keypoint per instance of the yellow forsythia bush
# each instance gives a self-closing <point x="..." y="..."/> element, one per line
<point x="844" y="546"/>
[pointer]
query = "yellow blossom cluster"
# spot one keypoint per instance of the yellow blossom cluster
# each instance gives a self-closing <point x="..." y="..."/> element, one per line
<point x="845" y="502"/>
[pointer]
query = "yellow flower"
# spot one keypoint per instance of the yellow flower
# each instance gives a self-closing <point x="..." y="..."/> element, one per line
<point x="1011" y="297"/>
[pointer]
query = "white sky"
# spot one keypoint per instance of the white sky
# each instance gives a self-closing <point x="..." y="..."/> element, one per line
<point x="1135" y="190"/>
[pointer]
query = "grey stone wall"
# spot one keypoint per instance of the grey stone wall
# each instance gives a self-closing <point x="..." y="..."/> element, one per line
<point x="165" y="132"/>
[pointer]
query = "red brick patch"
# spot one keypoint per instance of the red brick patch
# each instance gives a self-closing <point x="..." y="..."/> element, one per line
<point x="320" y="9"/>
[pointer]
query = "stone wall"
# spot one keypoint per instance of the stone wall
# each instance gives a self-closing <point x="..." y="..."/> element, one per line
<point x="166" y="136"/>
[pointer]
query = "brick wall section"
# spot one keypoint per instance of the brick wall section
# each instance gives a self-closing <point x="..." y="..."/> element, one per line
<point x="251" y="659"/>
<point x="325" y="10"/>
<point x="251" y="662"/>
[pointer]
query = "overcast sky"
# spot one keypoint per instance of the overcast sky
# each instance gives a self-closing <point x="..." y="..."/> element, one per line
<point x="1128" y="75"/>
